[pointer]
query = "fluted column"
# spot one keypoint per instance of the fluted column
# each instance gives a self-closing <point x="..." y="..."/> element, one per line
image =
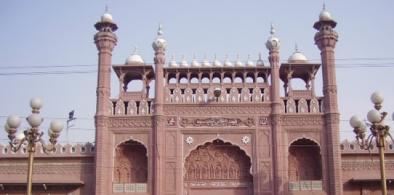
<point x="105" y="40"/>
<point x="273" y="45"/>
<point x="158" y="136"/>
<point x="325" y="39"/>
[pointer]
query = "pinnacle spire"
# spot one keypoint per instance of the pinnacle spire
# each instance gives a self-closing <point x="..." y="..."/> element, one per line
<point x="272" y="31"/>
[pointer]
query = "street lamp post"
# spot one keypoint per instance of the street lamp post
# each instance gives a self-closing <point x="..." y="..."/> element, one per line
<point x="32" y="135"/>
<point x="378" y="132"/>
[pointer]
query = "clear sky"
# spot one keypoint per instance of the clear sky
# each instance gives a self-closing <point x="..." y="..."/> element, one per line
<point x="42" y="36"/>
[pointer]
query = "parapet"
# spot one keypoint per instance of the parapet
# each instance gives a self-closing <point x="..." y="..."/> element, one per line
<point x="66" y="150"/>
<point x="352" y="147"/>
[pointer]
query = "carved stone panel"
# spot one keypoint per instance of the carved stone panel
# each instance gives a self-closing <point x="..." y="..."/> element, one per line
<point x="217" y="161"/>
<point x="170" y="181"/>
<point x="217" y="122"/>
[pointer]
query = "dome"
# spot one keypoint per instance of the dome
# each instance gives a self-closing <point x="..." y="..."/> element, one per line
<point x="173" y="63"/>
<point x="217" y="63"/>
<point x="160" y="42"/>
<point x="106" y="17"/>
<point x="249" y="62"/>
<point x="227" y="62"/>
<point x="297" y="56"/>
<point x="325" y="15"/>
<point x="206" y="63"/>
<point x="273" y="43"/>
<point x="135" y="59"/>
<point x="184" y="63"/>
<point x="195" y="63"/>
<point x="260" y="61"/>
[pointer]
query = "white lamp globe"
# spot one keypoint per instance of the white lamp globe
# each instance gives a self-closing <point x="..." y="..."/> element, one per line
<point x="50" y="132"/>
<point x="20" y="136"/>
<point x="377" y="98"/>
<point x="56" y="126"/>
<point x="355" y="122"/>
<point x="363" y="127"/>
<point x="374" y="116"/>
<point x="13" y="121"/>
<point x="34" y="120"/>
<point x="36" y="103"/>
<point x="8" y="129"/>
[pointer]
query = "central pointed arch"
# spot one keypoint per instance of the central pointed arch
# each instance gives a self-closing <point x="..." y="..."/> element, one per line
<point x="218" y="162"/>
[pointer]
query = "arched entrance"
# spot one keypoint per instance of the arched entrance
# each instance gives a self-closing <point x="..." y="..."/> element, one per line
<point x="304" y="161"/>
<point x="131" y="167"/>
<point x="218" y="168"/>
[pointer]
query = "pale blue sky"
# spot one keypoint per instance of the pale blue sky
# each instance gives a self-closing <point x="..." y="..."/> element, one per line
<point x="56" y="33"/>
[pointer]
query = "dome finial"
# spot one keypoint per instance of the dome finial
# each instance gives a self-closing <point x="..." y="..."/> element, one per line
<point x="106" y="8"/>
<point x="160" y="30"/>
<point x="324" y="6"/>
<point x="135" y="49"/>
<point x="160" y="42"/>
<point x="272" y="31"/>
<point x="296" y="48"/>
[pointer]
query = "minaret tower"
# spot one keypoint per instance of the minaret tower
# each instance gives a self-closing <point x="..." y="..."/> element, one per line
<point x="159" y="46"/>
<point x="325" y="40"/>
<point x="273" y="45"/>
<point x="105" y="40"/>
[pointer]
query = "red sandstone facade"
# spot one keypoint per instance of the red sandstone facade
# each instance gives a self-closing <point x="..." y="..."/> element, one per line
<point x="190" y="139"/>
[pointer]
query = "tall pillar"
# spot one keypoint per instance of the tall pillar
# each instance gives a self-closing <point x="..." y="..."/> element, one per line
<point x="273" y="45"/>
<point x="105" y="40"/>
<point x="325" y="40"/>
<point x="159" y="46"/>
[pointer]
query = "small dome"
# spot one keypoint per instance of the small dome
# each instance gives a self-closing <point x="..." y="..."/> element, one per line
<point x="206" y="63"/>
<point x="184" y="63"/>
<point x="249" y="62"/>
<point x="160" y="42"/>
<point x="195" y="63"/>
<point x="106" y="17"/>
<point x="227" y="63"/>
<point x="217" y="63"/>
<point x="173" y="63"/>
<point x="273" y="43"/>
<point x="325" y="15"/>
<point x="135" y="59"/>
<point x="297" y="56"/>
<point x="259" y="62"/>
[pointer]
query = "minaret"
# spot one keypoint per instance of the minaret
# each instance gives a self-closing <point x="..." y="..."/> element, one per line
<point x="105" y="40"/>
<point x="273" y="45"/>
<point x="325" y="40"/>
<point x="159" y="46"/>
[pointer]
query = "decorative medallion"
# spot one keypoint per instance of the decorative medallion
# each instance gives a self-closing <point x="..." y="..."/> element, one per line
<point x="245" y="139"/>
<point x="189" y="140"/>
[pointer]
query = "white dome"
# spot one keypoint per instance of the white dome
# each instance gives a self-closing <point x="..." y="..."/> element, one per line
<point x="106" y="17"/>
<point x="297" y="56"/>
<point x="259" y="62"/>
<point x="273" y="43"/>
<point x="195" y="63"/>
<point x="217" y="63"/>
<point x="238" y="63"/>
<point x="173" y="63"/>
<point x="325" y="15"/>
<point x="135" y="59"/>
<point x="184" y="63"/>
<point x="227" y="63"/>
<point x="206" y="63"/>
<point x="249" y="62"/>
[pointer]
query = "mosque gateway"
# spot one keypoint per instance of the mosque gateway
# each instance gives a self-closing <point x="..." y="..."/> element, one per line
<point x="214" y="126"/>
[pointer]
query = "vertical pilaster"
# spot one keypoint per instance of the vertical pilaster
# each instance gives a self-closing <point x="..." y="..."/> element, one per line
<point x="158" y="134"/>
<point x="105" y="41"/>
<point x="325" y="39"/>
<point x="273" y="45"/>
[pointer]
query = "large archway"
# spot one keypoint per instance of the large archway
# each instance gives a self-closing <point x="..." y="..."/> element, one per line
<point x="131" y="167"/>
<point x="218" y="168"/>
<point x="304" y="161"/>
